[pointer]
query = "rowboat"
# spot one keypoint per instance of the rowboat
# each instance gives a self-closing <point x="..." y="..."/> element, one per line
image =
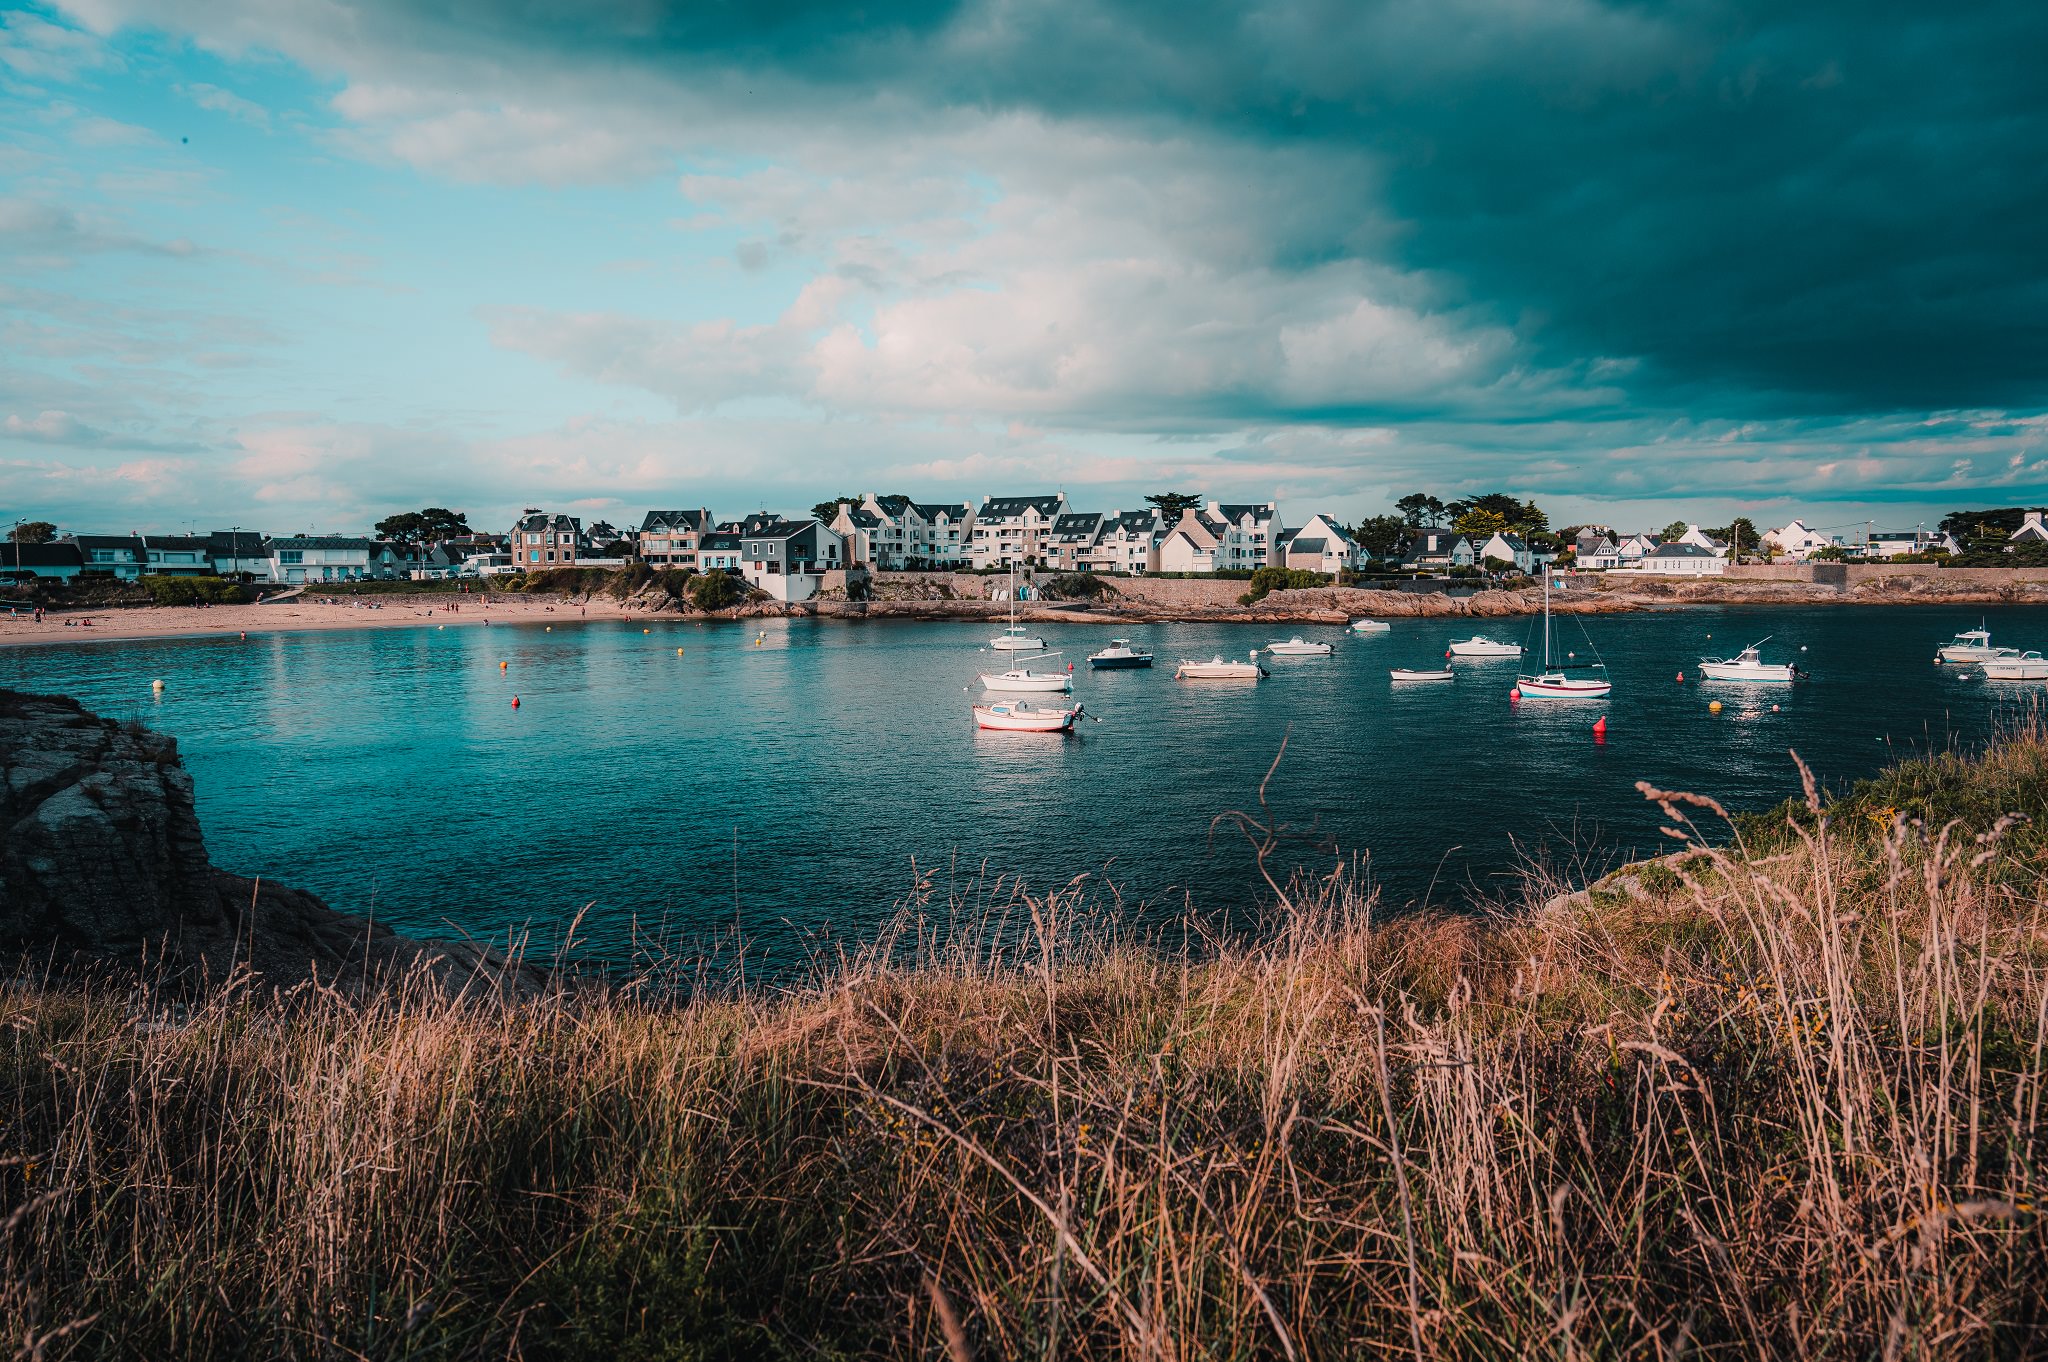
<point x="1422" y="674"/>
<point x="1021" y="716"/>
<point x="1219" y="670"/>
<point x="1481" y="646"/>
<point x="1299" y="647"/>
<point x="1119" y="655"/>
<point x="2027" y="666"/>
<point x="1748" y="665"/>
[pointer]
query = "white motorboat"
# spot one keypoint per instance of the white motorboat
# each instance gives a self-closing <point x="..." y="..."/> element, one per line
<point x="1748" y="665"/>
<point x="1481" y="646"/>
<point x="1022" y="678"/>
<point x="1371" y="627"/>
<point x="2027" y="666"/>
<point x="1300" y="647"/>
<point x="1422" y="674"/>
<point x="1554" y="682"/>
<point x="1972" y="645"/>
<point x="1016" y="639"/>
<point x="1220" y="670"/>
<point x="1119" y="656"/>
<point x="1021" y="716"/>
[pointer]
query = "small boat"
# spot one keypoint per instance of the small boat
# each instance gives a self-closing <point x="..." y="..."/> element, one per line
<point x="1014" y="639"/>
<point x="1022" y="677"/>
<point x="1220" y="670"/>
<point x="1481" y="646"/>
<point x="1118" y="656"/>
<point x="1021" y="716"/>
<point x="1748" y="665"/>
<point x="1972" y="645"/>
<point x="1554" y="682"/>
<point x="1422" y="674"/>
<point x="2027" y="666"/>
<point x="1371" y="627"/>
<point x="1300" y="647"/>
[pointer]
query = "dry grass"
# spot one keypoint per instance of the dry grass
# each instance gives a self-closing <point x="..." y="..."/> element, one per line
<point x="1782" y="1098"/>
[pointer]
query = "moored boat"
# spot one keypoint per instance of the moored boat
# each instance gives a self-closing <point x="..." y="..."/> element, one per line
<point x="2027" y="666"/>
<point x="1369" y="626"/>
<point x="1300" y="647"/>
<point x="1972" y="645"/>
<point x="1021" y="716"/>
<point x="1422" y="674"/>
<point x="1015" y="639"/>
<point x="1118" y="656"/>
<point x="1481" y="646"/>
<point x="1748" y="665"/>
<point x="1554" y="681"/>
<point x="1219" y="670"/>
<point x="1022" y="678"/>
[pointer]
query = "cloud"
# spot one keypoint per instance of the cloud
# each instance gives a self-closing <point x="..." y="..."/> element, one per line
<point x="217" y="100"/>
<point x="27" y="225"/>
<point x="52" y="427"/>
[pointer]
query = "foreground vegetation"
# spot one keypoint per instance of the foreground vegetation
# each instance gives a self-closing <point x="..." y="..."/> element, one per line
<point x="1775" y="1095"/>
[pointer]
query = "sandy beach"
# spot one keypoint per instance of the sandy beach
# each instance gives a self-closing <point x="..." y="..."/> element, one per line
<point x="368" y="612"/>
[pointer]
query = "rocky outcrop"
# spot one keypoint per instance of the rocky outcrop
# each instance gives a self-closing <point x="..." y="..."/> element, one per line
<point x="102" y="860"/>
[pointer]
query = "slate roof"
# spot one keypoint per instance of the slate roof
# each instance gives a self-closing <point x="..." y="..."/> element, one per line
<point x="1132" y="522"/>
<point x="676" y="520"/>
<point x="1078" y="525"/>
<point x="893" y="504"/>
<point x="779" y="529"/>
<point x="1678" y="550"/>
<point x="60" y="554"/>
<point x="1259" y="514"/>
<point x="130" y="542"/>
<point x="952" y="510"/>
<point x="543" y="521"/>
<point x="717" y="540"/>
<point x="175" y="543"/>
<point x="235" y="544"/>
<point x="863" y="518"/>
<point x="1298" y="545"/>
<point x="321" y="541"/>
<point x="1010" y="508"/>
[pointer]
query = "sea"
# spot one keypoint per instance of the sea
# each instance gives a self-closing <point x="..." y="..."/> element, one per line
<point x="801" y="780"/>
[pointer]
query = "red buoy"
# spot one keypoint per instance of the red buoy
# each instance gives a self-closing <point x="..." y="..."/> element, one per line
<point x="515" y="702"/>
<point x="1514" y="692"/>
<point x="1600" y="726"/>
<point x="1681" y="676"/>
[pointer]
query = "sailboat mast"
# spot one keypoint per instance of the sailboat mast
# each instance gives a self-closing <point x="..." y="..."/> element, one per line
<point x="1546" y="617"/>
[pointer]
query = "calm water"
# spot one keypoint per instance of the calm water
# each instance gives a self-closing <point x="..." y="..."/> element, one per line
<point x="387" y="766"/>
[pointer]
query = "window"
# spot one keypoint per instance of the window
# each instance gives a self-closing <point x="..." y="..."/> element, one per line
<point x="291" y="555"/>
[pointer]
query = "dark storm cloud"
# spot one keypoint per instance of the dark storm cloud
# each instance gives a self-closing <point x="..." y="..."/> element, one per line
<point x="1774" y="209"/>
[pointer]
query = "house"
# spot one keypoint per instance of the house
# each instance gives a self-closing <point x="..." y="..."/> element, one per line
<point x="1796" y="541"/>
<point x="60" y="561"/>
<point x="896" y="534"/>
<point x="1129" y="543"/>
<point x="1508" y="548"/>
<point x="540" y="540"/>
<point x="323" y="558"/>
<point x="788" y="559"/>
<point x="175" y="555"/>
<point x="1630" y="550"/>
<point x="1071" y="544"/>
<point x="2032" y="530"/>
<point x="1594" y="552"/>
<point x="1012" y="531"/>
<point x="861" y="528"/>
<point x="1899" y="543"/>
<point x="1201" y="542"/>
<point x="1320" y="545"/>
<point x="673" y="538"/>
<point x="239" y="554"/>
<point x="1700" y="539"/>
<point x="1680" y="559"/>
<point x="719" y="551"/>
<point x="117" y="555"/>
<point x="943" y="530"/>
<point x="1259" y="526"/>
<point x="1437" y="550"/>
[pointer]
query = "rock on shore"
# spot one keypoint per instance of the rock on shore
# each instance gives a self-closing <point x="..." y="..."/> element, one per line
<point x="102" y="859"/>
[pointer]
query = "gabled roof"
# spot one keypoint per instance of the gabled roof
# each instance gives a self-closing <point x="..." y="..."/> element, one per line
<point x="235" y="544"/>
<point x="779" y="529"/>
<point x="175" y="543"/>
<point x="1513" y="541"/>
<point x="1132" y="522"/>
<point x="863" y="518"/>
<point x="699" y="519"/>
<point x="1078" y="524"/>
<point x="1677" y="550"/>
<point x="130" y="542"/>
<point x="719" y="539"/>
<point x="952" y="510"/>
<point x="1010" y="508"/>
<point x="1300" y="545"/>
<point x="541" y="520"/>
<point x="893" y="504"/>
<point x="1259" y="514"/>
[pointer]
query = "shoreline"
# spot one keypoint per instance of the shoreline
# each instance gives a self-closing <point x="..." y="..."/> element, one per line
<point x="1330" y="606"/>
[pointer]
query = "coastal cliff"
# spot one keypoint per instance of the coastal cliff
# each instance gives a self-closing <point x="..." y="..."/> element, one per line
<point x="103" y="861"/>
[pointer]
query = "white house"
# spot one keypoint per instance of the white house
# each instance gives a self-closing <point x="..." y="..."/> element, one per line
<point x="2032" y="530"/>
<point x="1795" y="541"/>
<point x="943" y="529"/>
<point x="1071" y="545"/>
<point x="1899" y="543"/>
<point x="238" y="553"/>
<point x="117" y="555"/>
<point x="1700" y="539"/>
<point x="1680" y="559"/>
<point x="1629" y="552"/>
<point x="1257" y="523"/>
<point x="719" y="551"/>
<point x="1508" y="548"/>
<point x="175" y="555"/>
<point x="1322" y="545"/>
<point x="61" y="561"/>
<point x="322" y="558"/>
<point x="1595" y="552"/>
<point x="1202" y="542"/>
<point x="1129" y="543"/>
<point x="788" y="559"/>
<point x="1434" y="550"/>
<point x="1012" y="531"/>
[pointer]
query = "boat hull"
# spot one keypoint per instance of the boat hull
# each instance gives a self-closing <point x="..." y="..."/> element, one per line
<point x="1114" y="664"/>
<point x="1007" y="719"/>
<point x="1300" y="649"/>
<point x="1010" y="643"/>
<point x="1470" y="649"/>
<point x="1768" y="674"/>
<point x="1031" y="682"/>
<point x="1218" y="671"/>
<point x="1405" y="674"/>
<point x="1371" y="627"/>
<point x="2012" y="669"/>
<point x="1974" y="654"/>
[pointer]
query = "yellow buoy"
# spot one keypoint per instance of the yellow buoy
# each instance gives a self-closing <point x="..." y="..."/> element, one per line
<point x="679" y="652"/>
<point x="551" y="628"/>
<point x="1713" y="707"/>
<point x="646" y="631"/>
<point x="157" y="685"/>
<point x="502" y="666"/>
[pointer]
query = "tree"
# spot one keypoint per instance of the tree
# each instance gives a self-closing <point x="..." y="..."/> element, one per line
<point x="1419" y="509"/>
<point x="615" y="548"/>
<point x="1379" y="535"/>
<point x="1739" y="534"/>
<point x="429" y="526"/>
<point x="825" y="512"/>
<point x="1173" y="504"/>
<point x="1532" y="520"/>
<point x="1480" y="521"/>
<point x="1673" y="530"/>
<point x="32" y="532"/>
<point x="1992" y="526"/>
<point x="1496" y="565"/>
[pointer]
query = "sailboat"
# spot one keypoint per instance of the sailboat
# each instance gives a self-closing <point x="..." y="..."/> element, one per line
<point x="1014" y="639"/>
<point x="1021" y="677"/>
<point x="1554" y="682"/>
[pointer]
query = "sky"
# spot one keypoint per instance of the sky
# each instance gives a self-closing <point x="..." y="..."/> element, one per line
<point x="300" y="264"/>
